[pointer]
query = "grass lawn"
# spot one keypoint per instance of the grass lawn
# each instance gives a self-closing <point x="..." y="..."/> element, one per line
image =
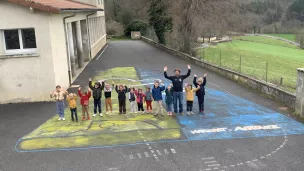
<point x="112" y="129"/>
<point x="255" y="52"/>
<point x="290" y="37"/>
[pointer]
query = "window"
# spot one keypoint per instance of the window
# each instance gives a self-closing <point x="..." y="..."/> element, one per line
<point x="20" y="40"/>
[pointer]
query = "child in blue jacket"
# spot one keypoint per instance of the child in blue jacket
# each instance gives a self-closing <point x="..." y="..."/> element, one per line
<point x="157" y="97"/>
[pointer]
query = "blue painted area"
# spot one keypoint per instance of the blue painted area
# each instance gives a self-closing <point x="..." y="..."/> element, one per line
<point x="223" y="110"/>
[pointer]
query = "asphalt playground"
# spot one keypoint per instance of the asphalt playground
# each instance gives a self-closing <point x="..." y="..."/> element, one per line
<point x="241" y="130"/>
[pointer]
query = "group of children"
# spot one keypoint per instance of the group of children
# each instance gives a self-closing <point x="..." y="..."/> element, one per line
<point x="136" y="97"/>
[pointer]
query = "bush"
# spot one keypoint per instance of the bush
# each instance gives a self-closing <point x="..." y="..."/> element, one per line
<point x="136" y="25"/>
<point x="300" y="39"/>
<point x="114" y="28"/>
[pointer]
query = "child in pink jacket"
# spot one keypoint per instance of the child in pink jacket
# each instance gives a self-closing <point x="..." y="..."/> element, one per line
<point x="140" y="100"/>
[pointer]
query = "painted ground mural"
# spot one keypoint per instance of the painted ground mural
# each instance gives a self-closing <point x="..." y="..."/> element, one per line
<point x="226" y="117"/>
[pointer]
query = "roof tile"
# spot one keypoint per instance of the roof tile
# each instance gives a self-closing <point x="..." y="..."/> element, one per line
<point x="55" y="6"/>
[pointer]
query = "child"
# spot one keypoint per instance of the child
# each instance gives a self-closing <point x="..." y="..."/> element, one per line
<point x="84" y="101"/>
<point x="108" y="100"/>
<point x="97" y="91"/>
<point x="140" y="100"/>
<point x="201" y="92"/>
<point x="148" y="100"/>
<point x="58" y="95"/>
<point x="169" y="99"/>
<point x="72" y="104"/>
<point x="122" y="98"/>
<point x="132" y="100"/>
<point x="190" y="97"/>
<point x="158" y="98"/>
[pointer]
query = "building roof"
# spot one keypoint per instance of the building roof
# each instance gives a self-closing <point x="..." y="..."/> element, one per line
<point x="56" y="6"/>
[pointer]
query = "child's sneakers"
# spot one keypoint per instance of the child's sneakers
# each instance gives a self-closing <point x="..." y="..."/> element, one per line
<point x="188" y="113"/>
<point x="89" y="118"/>
<point x="168" y="113"/>
<point x="101" y="114"/>
<point x="59" y="119"/>
<point x="63" y="119"/>
<point x="191" y="113"/>
<point x="83" y="118"/>
<point x="94" y="114"/>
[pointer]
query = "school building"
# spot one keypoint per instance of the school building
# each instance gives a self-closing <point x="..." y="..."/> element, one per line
<point x="44" y="43"/>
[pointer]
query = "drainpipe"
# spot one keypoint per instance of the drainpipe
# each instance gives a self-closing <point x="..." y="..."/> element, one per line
<point x="67" y="46"/>
<point x="88" y="30"/>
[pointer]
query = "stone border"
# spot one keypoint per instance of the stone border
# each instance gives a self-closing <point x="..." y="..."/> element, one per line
<point x="272" y="91"/>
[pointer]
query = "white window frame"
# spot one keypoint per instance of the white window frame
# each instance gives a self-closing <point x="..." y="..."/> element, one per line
<point x="21" y="50"/>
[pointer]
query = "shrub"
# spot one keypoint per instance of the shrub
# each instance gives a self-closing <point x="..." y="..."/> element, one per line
<point x="136" y="25"/>
<point x="114" y="28"/>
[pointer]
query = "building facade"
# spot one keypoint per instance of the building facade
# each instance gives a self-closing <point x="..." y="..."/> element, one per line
<point x="46" y="43"/>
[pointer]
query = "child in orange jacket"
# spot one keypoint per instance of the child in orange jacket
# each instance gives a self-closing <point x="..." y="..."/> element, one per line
<point x="72" y="104"/>
<point x="190" y="97"/>
<point x="84" y="101"/>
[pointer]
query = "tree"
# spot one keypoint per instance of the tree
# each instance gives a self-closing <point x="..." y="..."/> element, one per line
<point x="136" y="25"/>
<point x="296" y="10"/>
<point x="159" y="19"/>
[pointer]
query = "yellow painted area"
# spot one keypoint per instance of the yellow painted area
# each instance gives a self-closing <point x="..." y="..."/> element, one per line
<point x="100" y="139"/>
<point x="112" y="129"/>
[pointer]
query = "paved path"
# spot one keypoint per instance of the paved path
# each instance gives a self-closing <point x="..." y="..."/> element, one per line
<point x="274" y="37"/>
<point x="263" y="150"/>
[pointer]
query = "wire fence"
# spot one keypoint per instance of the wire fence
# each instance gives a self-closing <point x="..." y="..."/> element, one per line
<point x="277" y="71"/>
<point x="273" y="72"/>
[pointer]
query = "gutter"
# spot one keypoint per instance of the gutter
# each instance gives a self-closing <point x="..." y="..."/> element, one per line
<point x="79" y="10"/>
<point x="88" y="30"/>
<point x="67" y="46"/>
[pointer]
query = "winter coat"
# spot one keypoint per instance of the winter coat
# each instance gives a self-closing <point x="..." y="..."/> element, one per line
<point x="169" y="96"/>
<point x="108" y="93"/>
<point x="121" y="93"/>
<point x="96" y="91"/>
<point x="201" y="91"/>
<point x="72" y="101"/>
<point x="177" y="81"/>
<point x="148" y="96"/>
<point x="157" y="93"/>
<point x="84" y="98"/>
<point x="132" y="97"/>
<point x="190" y="92"/>
<point x="139" y="97"/>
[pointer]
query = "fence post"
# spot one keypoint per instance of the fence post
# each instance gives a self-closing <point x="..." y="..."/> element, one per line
<point x="266" y="72"/>
<point x="240" y="63"/>
<point x="300" y="92"/>
<point x="281" y="81"/>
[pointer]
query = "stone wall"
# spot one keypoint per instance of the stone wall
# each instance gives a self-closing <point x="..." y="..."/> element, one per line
<point x="272" y="91"/>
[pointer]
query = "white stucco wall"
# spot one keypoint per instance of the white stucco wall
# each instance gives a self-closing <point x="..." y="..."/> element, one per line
<point x="26" y="79"/>
<point x="32" y="78"/>
<point x="59" y="51"/>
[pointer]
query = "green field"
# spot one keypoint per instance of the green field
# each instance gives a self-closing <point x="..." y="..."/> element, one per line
<point x="112" y="129"/>
<point x="290" y="37"/>
<point x="250" y="55"/>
